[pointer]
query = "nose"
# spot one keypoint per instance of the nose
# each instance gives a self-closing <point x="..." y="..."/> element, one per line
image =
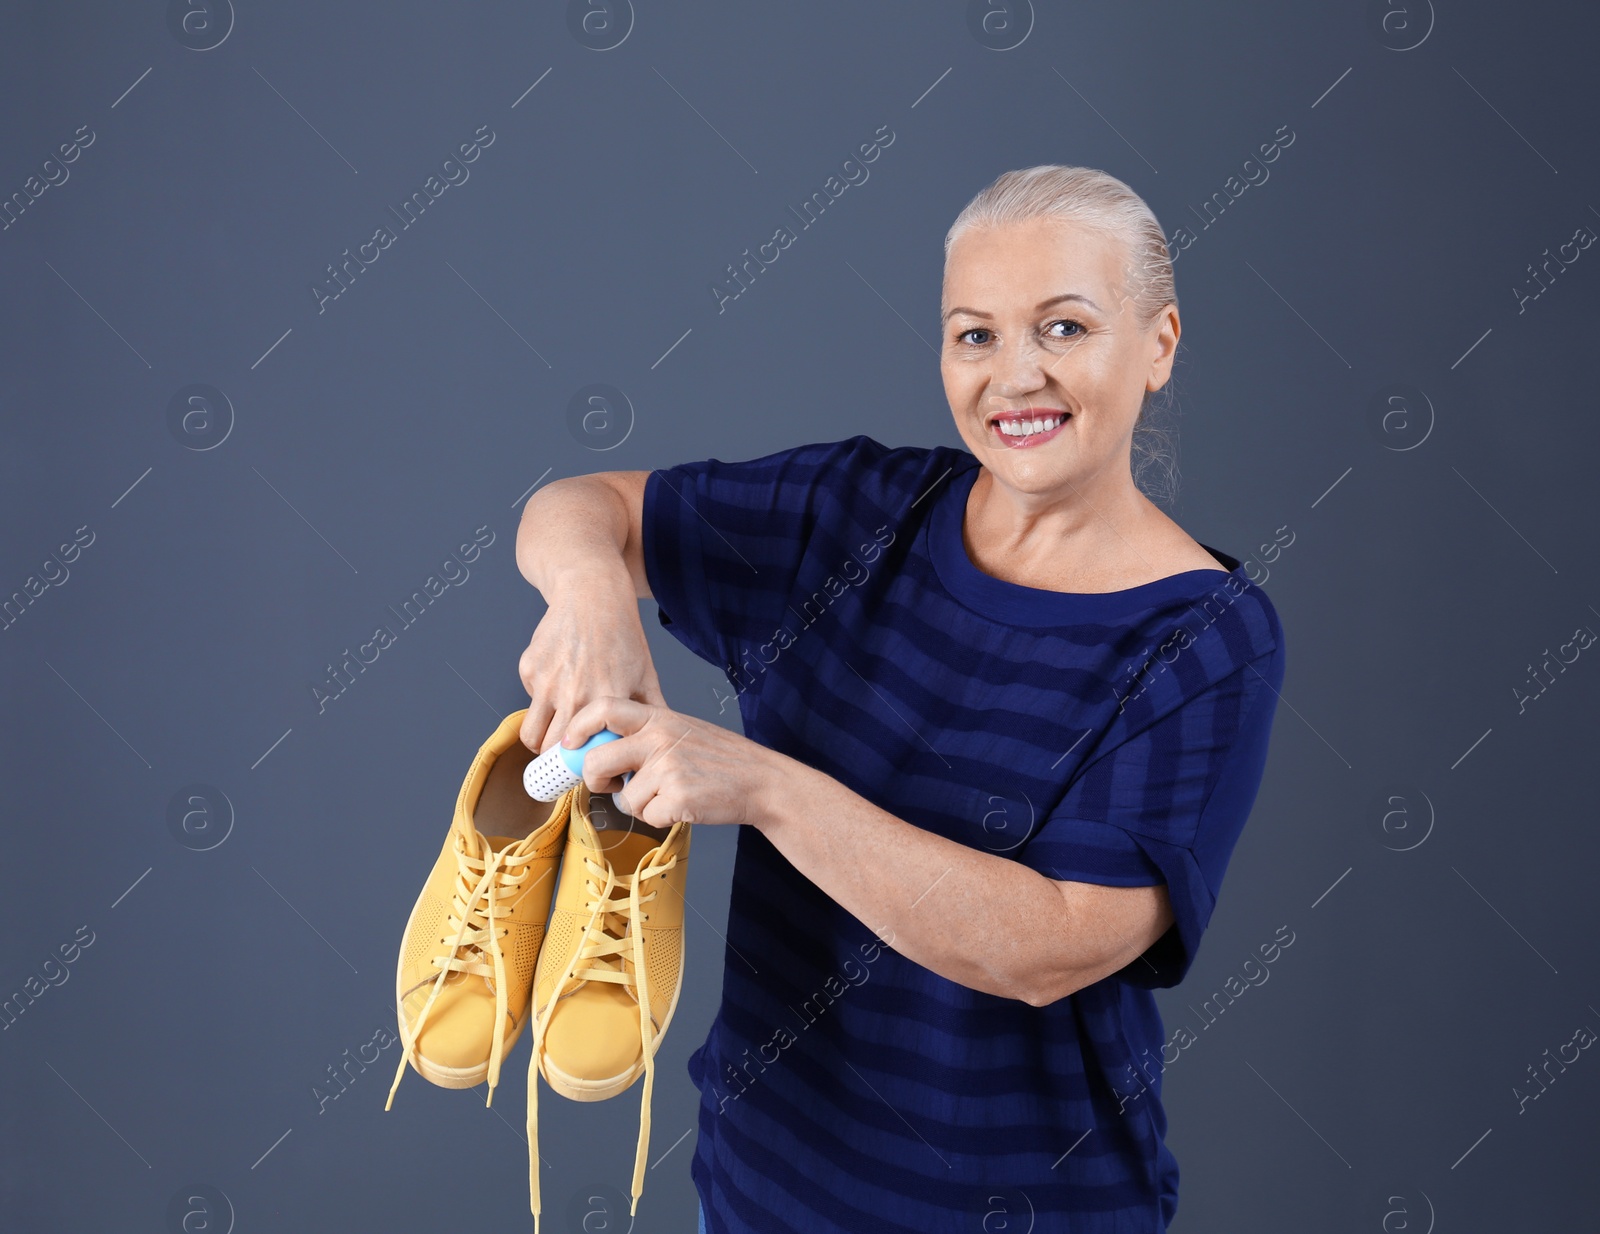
<point x="1017" y="369"/>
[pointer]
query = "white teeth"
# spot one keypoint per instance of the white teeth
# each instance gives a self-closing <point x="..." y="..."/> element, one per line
<point x="1026" y="428"/>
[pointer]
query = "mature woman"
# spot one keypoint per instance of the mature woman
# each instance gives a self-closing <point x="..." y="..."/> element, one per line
<point x="1004" y="721"/>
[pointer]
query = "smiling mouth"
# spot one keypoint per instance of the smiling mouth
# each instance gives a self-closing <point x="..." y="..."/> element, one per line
<point x="1029" y="428"/>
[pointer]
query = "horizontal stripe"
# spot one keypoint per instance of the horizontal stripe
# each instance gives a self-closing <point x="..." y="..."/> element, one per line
<point x="1115" y="738"/>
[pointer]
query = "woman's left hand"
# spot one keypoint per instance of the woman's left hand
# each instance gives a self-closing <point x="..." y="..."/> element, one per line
<point x="683" y="768"/>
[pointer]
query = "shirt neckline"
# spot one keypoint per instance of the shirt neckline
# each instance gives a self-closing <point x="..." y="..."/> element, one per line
<point x="1015" y="604"/>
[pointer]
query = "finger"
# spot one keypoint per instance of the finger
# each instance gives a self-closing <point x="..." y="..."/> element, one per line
<point x="605" y="764"/>
<point x="557" y="726"/>
<point x="663" y="809"/>
<point x="653" y="795"/>
<point x="621" y="715"/>
<point x="635" y="797"/>
<point x="527" y="670"/>
<point x="536" y="724"/>
<point x="599" y="785"/>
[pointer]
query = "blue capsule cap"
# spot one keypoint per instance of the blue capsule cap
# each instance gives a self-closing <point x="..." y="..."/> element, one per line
<point x="574" y="758"/>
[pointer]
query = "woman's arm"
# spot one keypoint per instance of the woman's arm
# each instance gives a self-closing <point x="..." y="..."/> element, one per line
<point x="983" y="920"/>
<point x="579" y="544"/>
<point x="583" y="527"/>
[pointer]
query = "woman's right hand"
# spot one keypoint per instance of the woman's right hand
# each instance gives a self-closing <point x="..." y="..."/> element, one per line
<point x="589" y="644"/>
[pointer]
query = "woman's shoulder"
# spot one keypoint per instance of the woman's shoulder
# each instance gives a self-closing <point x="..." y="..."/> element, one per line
<point x="1252" y="629"/>
<point x="865" y="466"/>
<point x="1168" y="549"/>
<point x="869" y="449"/>
<point x="861" y="451"/>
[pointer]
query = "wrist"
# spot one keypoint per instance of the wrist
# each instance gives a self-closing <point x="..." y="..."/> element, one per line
<point x="782" y="787"/>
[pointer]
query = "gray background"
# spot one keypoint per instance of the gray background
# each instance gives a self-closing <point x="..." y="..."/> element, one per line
<point x="1441" y="944"/>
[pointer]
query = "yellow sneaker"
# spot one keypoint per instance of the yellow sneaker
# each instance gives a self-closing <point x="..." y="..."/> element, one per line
<point x="470" y="948"/>
<point x="610" y="970"/>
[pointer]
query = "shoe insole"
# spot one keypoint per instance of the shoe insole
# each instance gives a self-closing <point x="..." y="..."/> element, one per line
<point x="606" y="817"/>
<point x="504" y="808"/>
<point x="625" y="849"/>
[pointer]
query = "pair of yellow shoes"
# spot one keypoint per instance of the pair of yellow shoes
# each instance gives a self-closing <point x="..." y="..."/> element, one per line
<point x="598" y="970"/>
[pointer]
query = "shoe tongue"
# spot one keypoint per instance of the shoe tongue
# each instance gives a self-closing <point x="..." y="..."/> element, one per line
<point x="624" y="850"/>
<point x="484" y="849"/>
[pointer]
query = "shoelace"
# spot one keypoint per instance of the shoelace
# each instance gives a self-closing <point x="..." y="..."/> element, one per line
<point x="612" y="926"/>
<point x="476" y="906"/>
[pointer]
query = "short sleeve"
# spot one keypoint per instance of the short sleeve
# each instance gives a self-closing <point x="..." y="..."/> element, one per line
<point x="723" y="543"/>
<point x="1167" y="806"/>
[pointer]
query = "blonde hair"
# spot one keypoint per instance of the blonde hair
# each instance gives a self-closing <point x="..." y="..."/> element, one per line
<point x="1093" y="198"/>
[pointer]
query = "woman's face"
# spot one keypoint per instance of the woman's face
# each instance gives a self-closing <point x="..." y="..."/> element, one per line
<point x="1038" y="327"/>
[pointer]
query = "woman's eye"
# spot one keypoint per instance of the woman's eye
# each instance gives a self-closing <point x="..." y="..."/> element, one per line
<point x="1074" y="329"/>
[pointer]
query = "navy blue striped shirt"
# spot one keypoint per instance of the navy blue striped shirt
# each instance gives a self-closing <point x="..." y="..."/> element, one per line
<point x="1116" y="738"/>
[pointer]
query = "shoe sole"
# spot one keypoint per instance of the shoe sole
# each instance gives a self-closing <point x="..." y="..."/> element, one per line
<point x="439" y="1073"/>
<point x="574" y="1088"/>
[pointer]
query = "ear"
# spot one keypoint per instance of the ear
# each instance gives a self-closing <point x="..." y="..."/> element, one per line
<point x="1164" y="332"/>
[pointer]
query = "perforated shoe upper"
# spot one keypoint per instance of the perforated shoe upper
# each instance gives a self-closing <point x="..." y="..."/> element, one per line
<point x="469" y="953"/>
<point x="610" y="970"/>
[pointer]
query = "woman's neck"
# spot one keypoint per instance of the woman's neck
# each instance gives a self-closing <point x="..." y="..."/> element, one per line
<point x="1095" y="537"/>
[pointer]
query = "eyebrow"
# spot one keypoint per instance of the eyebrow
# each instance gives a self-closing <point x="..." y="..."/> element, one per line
<point x="1043" y="304"/>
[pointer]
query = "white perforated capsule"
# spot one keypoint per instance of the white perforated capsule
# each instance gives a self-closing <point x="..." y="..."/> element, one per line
<point x="558" y="768"/>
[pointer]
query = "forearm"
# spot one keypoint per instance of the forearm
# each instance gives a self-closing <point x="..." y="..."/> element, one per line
<point x="577" y="528"/>
<point x="580" y="544"/>
<point x="982" y="920"/>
